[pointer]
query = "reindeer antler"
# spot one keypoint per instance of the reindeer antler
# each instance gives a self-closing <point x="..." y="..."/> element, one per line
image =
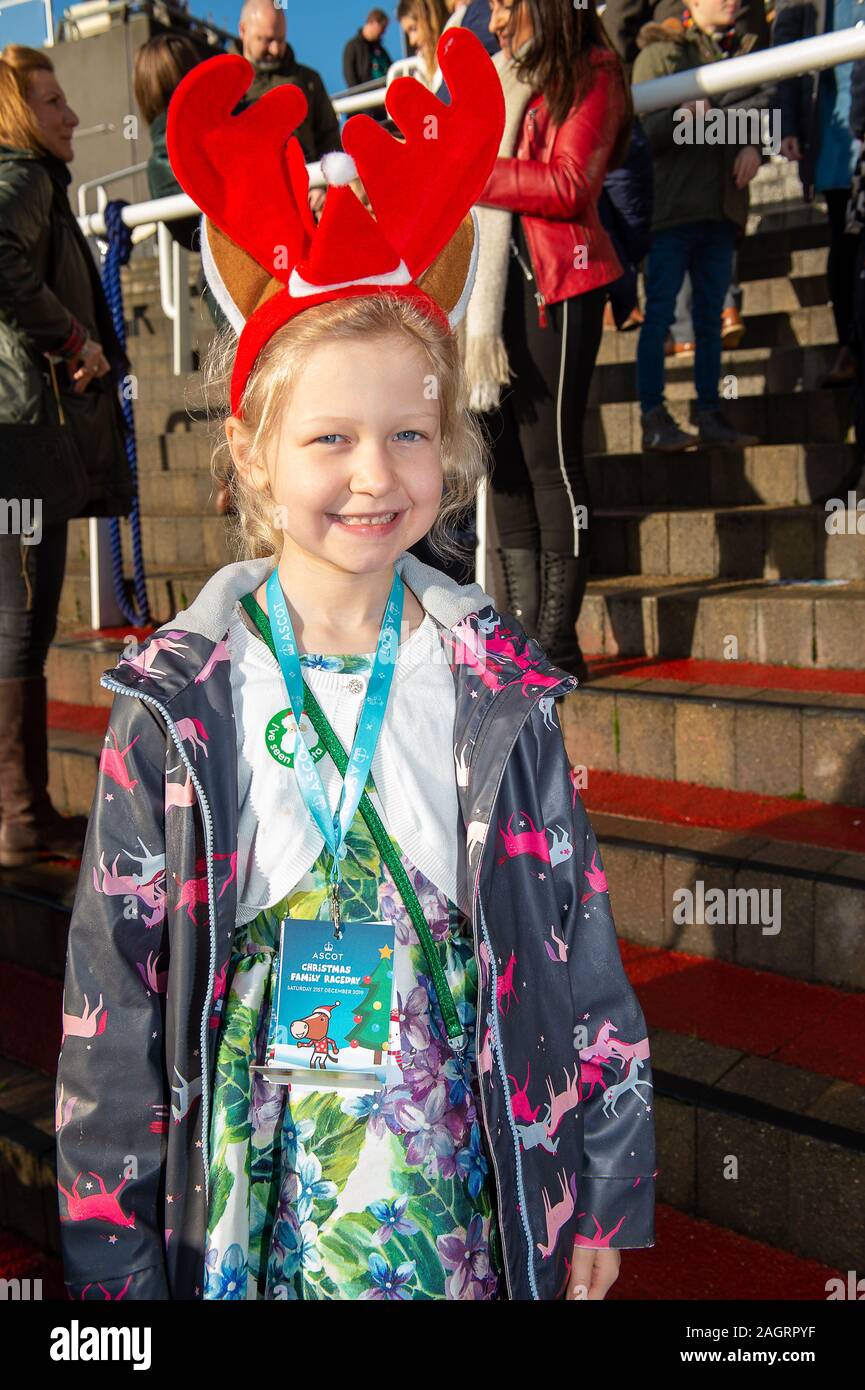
<point x="247" y="172"/>
<point x="420" y="188"/>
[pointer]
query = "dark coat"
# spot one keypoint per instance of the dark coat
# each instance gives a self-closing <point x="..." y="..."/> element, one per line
<point x="693" y="181"/>
<point x="798" y="97"/>
<point x="857" y="99"/>
<point x="623" y="20"/>
<point x="357" y="59"/>
<point x="318" y="132"/>
<point x="49" y="290"/>
<point x="625" y="210"/>
<point x="157" y="889"/>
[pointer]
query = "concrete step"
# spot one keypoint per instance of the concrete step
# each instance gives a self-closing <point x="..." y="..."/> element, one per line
<point x="796" y="417"/>
<point x="191" y="492"/>
<point x="810" y="625"/>
<point x="169" y="588"/>
<point x="745" y="371"/>
<point x="801" y="328"/>
<point x="166" y="540"/>
<point x="747" y="542"/>
<point x="781" y="475"/>
<point x="182" y="450"/>
<point x="773" y="742"/>
<point x="817" y="897"/>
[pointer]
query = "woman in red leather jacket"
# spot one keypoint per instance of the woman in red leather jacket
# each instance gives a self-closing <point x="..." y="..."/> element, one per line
<point x="576" y="127"/>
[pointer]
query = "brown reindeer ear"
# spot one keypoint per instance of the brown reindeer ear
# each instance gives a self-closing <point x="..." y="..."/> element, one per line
<point x="239" y="283"/>
<point x="447" y="280"/>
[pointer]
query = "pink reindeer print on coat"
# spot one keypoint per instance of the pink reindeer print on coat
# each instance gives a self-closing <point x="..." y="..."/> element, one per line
<point x="143" y="663"/>
<point x="112" y="1297"/>
<point x="151" y="894"/>
<point x="559" y="1213"/>
<point x="63" y="1109"/>
<point x="520" y="1099"/>
<point x="155" y="981"/>
<point x="600" y="1238"/>
<point x="562" y="1102"/>
<point x="597" y="879"/>
<point x="83" y="1025"/>
<point x="178" y="794"/>
<point x="194" y="730"/>
<point x="112" y="761"/>
<point x="100" y="1206"/>
<point x="505" y="984"/>
<point x="220" y="653"/>
<point x="534" y="842"/>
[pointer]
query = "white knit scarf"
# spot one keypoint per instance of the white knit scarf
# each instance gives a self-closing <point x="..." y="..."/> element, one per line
<point x="480" y="333"/>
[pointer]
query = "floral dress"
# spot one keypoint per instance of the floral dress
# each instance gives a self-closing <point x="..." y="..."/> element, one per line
<point x="382" y="1193"/>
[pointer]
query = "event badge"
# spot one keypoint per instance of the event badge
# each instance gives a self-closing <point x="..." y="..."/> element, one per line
<point x="333" y="1018"/>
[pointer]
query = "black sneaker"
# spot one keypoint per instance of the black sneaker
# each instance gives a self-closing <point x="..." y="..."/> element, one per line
<point x="661" y="433"/>
<point x="716" y="433"/>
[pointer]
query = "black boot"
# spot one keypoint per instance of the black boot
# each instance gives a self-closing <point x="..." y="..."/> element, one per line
<point x="563" y="580"/>
<point x="522" y="586"/>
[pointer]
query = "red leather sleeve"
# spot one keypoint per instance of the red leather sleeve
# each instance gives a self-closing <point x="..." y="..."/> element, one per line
<point x="572" y="179"/>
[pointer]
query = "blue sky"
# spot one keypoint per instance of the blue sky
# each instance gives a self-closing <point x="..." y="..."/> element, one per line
<point x="317" y="29"/>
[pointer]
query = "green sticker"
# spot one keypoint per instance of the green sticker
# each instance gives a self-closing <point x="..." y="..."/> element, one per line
<point x="279" y="737"/>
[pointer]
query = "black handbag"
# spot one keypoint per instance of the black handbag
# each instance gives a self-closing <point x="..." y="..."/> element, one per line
<point x="42" y="462"/>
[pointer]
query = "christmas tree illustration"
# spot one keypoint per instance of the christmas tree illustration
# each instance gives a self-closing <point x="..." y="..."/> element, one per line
<point x="372" y="1019"/>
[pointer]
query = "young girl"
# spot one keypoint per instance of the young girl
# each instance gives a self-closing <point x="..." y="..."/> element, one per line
<point x="334" y="819"/>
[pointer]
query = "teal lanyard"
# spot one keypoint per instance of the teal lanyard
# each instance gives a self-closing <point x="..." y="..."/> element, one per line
<point x="456" y="1036"/>
<point x="334" y="826"/>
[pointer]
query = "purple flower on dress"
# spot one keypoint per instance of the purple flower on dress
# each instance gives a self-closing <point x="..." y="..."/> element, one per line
<point x="472" y="1164"/>
<point x="387" y="1283"/>
<point x="431" y="1140"/>
<point x="413" y="1019"/>
<point x="390" y="1214"/>
<point x="378" y="1108"/>
<point x="467" y="1254"/>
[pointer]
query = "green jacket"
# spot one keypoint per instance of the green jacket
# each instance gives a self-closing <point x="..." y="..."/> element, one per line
<point x="693" y="182"/>
<point x="51" y="297"/>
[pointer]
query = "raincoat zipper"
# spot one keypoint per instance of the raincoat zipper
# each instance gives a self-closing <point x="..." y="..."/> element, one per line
<point x="497" y="1036"/>
<point x="110" y="684"/>
<point x="539" y="298"/>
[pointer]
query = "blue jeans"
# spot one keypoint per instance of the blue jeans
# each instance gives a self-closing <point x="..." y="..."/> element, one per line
<point x="705" y="250"/>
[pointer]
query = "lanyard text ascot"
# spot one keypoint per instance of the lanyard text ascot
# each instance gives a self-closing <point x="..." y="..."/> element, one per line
<point x="334" y="826"/>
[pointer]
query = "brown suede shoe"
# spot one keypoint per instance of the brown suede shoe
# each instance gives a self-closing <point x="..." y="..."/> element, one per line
<point x="30" y="827"/>
<point x="732" y="329"/>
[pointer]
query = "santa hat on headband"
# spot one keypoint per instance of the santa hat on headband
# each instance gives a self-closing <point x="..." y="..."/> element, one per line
<point x="263" y="254"/>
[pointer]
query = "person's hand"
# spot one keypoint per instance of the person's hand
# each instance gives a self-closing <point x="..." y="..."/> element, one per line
<point x="90" y="362"/>
<point x="746" y="164"/>
<point x="790" y="147"/>
<point x="593" y="1272"/>
<point x="316" y="201"/>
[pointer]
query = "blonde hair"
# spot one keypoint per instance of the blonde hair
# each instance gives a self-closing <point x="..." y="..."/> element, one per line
<point x="18" y="124"/>
<point x="464" y="446"/>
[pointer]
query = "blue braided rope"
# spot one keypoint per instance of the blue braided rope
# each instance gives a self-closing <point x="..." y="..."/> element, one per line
<point x="117" y="255"/>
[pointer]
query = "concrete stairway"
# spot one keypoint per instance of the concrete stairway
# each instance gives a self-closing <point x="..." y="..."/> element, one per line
<point x="720" y="743"/>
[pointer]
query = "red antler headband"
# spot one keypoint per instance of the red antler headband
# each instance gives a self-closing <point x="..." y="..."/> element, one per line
<point x="265" y="258"/>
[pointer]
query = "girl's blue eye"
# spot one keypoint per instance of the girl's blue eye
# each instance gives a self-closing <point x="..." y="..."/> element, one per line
<point x="417" y="432"/>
